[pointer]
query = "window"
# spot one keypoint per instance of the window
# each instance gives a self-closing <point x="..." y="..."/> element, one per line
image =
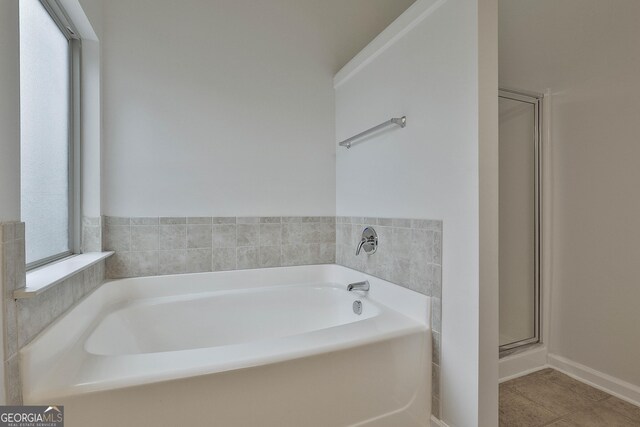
<point x="48" y="196"/>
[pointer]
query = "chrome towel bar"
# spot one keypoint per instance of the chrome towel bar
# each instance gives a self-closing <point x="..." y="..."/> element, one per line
<point x="400" y="121"/>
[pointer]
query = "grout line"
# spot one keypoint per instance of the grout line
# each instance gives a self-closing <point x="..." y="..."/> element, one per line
<point x="595" y="403"/>
<point x="537" y="405"/>
<point x="587" y="409"/>
<point x="599" y="403"/>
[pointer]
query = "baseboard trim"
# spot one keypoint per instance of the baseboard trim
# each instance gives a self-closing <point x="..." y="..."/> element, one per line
<point x="523" y="363"/>
<point x="607" y="383"/>
<point x="435" y="422"/>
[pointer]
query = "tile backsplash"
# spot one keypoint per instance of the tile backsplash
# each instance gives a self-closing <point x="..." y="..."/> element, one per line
<point x="409" y="251"/>
<point x="172" y="245"/>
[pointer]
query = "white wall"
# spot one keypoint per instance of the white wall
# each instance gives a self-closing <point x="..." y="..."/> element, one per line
<point x="9" y="133"/>
<point x="91" y="129"/>
<point x="91" y="17"/>
<point x="226" y="107"/>
<point x="488" y="177"/>
<point x="92" y="11"/>
<point x="9" y="112"/>
<point x="426" y="66"/>
<point x="586" y="53"/>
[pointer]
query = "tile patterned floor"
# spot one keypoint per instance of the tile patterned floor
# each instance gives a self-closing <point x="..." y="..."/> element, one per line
<point x="550" y="398"/>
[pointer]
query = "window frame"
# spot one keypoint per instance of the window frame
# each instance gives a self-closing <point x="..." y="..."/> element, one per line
<point x="68" y="30"/>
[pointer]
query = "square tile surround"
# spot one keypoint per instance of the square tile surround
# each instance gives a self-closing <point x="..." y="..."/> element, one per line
<point x="151" y="246"/>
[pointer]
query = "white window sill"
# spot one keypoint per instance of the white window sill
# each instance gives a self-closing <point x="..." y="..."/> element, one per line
<point x="43" y="278"/>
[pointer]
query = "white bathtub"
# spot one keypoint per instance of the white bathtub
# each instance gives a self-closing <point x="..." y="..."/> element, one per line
<point x="268" y="347"/>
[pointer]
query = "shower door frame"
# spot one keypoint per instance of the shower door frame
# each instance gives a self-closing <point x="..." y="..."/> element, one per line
<point x="535" y="100"/>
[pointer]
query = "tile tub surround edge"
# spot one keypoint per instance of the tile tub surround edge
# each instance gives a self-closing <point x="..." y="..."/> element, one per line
<point x="34" y="314"/>
<point x="148" y="246"/>
<point x="12" y="276"/>
<point x="24" y="319"/>
<point x="91" y="238"/>
<point x="409" y="254"/>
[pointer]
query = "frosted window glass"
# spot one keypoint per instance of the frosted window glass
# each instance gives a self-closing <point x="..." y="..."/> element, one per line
<point x="44" y="127"/>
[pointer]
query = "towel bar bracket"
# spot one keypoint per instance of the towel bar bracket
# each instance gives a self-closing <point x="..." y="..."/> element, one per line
<point x="399" y="121"/>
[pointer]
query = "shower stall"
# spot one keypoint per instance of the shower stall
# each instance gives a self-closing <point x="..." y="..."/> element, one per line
<point x="520" y="195"/>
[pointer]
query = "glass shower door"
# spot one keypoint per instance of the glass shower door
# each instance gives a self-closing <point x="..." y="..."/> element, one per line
<point x="519" y="193"/>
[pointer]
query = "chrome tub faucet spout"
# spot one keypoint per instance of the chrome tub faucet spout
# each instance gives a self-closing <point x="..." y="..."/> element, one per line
<point x="358" y="286"/>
